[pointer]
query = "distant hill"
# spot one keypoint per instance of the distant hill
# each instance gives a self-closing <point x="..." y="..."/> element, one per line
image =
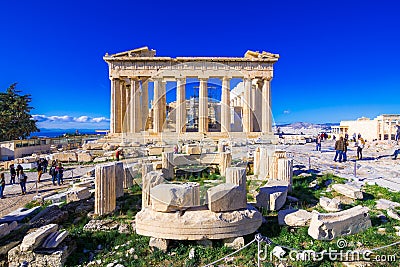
<point x="308" y="125"/>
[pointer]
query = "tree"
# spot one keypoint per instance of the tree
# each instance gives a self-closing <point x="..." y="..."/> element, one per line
<point x="16" y="122"/>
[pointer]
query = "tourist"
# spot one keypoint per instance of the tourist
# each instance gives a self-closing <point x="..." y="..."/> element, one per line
<point x="13" y="173"/>
<point x="19" y="169"/>
<point x="60" y="174"/>
<point x="117" y="155"/>
<point x="339" y="147"/>
<point x="397" y="133"/>
<point x="45" y="163"/>
<point x="39" y="169"/>
<point x="52" y="171"/>
<point x="396" y="152"/>
<point x="354" y="137"/>
<point x="2" y="184"/>
<point x="318" y="142"/>
<point x="360" y="146"/>
<point x="22" y="181"/>
<point x="345" y="145"/>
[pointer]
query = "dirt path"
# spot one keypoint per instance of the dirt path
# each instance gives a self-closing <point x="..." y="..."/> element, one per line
<point x="12" y="193"/>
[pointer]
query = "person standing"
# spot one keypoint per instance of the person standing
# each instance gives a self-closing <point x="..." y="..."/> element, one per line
<point x="318" y="143"/>
<point x="117" y="155"/>
<point x="39" y="169"/>
<point x="19" y="169"/>
<point x="45" y="163"/>
<point x="60" y="174"/>
<point x="13" y="173"/>
<point x="398" y="133"/>
<point x="396" y="152"/>
<point x="339" y="144"/>
<point x="22" y="181"/>
<point x="52" y="171"/>
<point x="345" y="145"/>
<point x="2" y="184"/>
<point x="360" y="146"/>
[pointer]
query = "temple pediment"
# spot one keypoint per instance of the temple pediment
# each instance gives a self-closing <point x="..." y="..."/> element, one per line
<point x="262" y="55"/>
<point x="138" y="52"/>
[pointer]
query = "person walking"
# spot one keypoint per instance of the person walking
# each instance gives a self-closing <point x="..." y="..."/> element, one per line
<point x="52" y="171"/>
<point x="398" y="133"/>
<point x="22" y="181"/>
<point x="345" y="145"/>
<point x="39" y="169"/>
<point x="396" y="152"/>
<point x="318" y="143"/>
<point x="2" y="184"/>
<point x="45" y="163"/>
<point x="13" y="173"/>
<point x="360" y="146"/>
<point x="60" y="173"/>
<point x="339" y="146"/>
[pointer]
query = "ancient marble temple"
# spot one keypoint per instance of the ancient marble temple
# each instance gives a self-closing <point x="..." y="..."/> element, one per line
<point x="133" y="72"/>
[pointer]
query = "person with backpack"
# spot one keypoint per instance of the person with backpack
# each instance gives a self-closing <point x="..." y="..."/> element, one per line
<point x="52" y="171"/>
<point x="339" y="147"/>
<point x="39" y="169"/>
<point x="345" y="145"/>
<point x="22" y="181"/>
<point x="60" y="173"/>
<point x="318" y="142"/>
<point x="2" y="185"/>
<point x="360" y="146"/>
<point x="13" y="173"/>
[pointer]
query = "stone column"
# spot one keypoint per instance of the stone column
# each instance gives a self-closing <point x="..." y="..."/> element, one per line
<point x="261" y="162"/>
<point x="132" y="105"/>
<point x="390" y="130"/>
<point x="163" y="105"/>
<point x="149" y="181"/>
<point x="122" y="102"/>
<point x="146" y="168"/>
<point x="129" y="114"/>
<point x="157" y="106"/>
<point x="117" y="109"/>
<point x="225" y="161"/>
<point x="285" y="171"/>
<point x="273" y="163"/>
<point x="257" y="107"/>
<point x="114" y="105"/>
<point x="266" y="125"/>
<point x="382" y="129"/>
<point x="129" y="175"/>
<point x="237" y="176"/>
<point x="105" y="186"/>
<point x="246" y="120"/>
<point x="180" y="106"/>
<point x="145" y="103"/>
<point x="138" y="115"/>
<point x="167" y="159"/>
<point x="203" y="106"/>
<point x="225" y="106"/>
<point x="119" y="179"/>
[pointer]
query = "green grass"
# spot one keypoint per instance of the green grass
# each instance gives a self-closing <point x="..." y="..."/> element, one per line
<point x="117" y="247"/>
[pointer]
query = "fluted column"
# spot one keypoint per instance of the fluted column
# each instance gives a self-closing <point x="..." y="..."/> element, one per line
<point x="203" y="106"/>
<point x="129" y="114"/>
<point x="122" y="103"/>
<point x="156" y="106"/>
<point x="145" y="103"/>
<point x="225" y="106"/>
<point x="114" y="105"/>
<point x="180" y="106"/>
<point x="257" y="106"/>
<point x="390" y="130"/>
<point x="163" y="104"/>
<point x="246" y="120"/>
<point x="266" y="126"/>
<point x="134" y="108"/>
<point x="382" y="129"/>
<point x="138" y="115"/>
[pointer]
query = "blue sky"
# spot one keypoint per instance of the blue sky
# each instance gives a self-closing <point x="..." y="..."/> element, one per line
<point x="339" y="59"/>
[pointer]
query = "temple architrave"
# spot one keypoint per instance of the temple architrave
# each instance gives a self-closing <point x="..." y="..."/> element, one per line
<point x="132" y="112"/>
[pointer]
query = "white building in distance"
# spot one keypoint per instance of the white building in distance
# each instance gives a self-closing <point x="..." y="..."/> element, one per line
<point x="383" y="127"/>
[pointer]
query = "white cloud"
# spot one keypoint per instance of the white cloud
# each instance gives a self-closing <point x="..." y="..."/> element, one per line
<point x="82" y="119"/>
<point x="286" y="111"/>
<point x="66" y="121"/>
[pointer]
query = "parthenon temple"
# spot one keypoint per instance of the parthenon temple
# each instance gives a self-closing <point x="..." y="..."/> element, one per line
<point x="139" y="94"/>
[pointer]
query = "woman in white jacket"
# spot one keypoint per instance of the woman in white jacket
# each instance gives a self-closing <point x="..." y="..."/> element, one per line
<point x="22" y="181"/>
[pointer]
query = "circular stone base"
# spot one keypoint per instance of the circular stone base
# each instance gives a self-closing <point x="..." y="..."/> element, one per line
<point x="198" y="223"/>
